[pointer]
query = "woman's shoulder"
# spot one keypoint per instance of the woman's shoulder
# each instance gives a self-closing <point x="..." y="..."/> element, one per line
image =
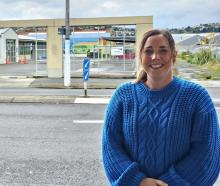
<point x="195" y="92"/>
<point x="125" y="86"/>
<point x="125" y="89"/>
<point x="192" y="87"/>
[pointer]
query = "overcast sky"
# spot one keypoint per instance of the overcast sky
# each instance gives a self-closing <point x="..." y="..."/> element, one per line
<point x="166" y="13"/>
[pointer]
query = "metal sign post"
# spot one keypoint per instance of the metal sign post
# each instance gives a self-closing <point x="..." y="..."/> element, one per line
<point x="86" y="64"/>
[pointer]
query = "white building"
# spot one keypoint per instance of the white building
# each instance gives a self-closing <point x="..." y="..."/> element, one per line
<point x="8" y="46"/>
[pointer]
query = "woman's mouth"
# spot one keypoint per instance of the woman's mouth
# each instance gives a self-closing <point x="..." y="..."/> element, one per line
<point x="156" y="66"/>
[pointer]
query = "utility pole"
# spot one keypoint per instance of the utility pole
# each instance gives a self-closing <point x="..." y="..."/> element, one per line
<point x="67" y="71"/>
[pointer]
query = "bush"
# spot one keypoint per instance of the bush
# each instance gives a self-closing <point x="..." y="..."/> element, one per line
<point x="185" y="55"/>
<point x="202" y="57"/>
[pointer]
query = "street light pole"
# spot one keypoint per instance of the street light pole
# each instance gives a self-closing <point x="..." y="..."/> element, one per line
<point x="67" y="75"/>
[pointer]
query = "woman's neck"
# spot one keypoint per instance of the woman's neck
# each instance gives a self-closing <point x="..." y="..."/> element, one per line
<point x="156" y="84"/>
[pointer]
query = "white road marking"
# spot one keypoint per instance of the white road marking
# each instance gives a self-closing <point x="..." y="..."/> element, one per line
<point x="106" y="101"/>
<point x="215" y="99"/>
<point x="92" y="100"/>
<point x="88" y="121"/>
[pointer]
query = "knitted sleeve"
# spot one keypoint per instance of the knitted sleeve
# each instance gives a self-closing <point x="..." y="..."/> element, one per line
<point x="120" y="169"/>
<point x="201" y="165"/>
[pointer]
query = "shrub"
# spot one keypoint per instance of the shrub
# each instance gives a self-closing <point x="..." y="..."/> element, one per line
<point x="202" y="57"/>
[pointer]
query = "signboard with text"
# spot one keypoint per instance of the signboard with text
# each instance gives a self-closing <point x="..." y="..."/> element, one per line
<point x="116" y="51"/>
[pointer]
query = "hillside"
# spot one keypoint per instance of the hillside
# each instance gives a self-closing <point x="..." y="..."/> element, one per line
<point x="202" y="28"/>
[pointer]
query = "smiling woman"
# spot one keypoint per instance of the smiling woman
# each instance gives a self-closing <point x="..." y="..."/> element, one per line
<point x="160" y="130"/>
<point x="157" y="61"/>
<point x="157" y="56"/>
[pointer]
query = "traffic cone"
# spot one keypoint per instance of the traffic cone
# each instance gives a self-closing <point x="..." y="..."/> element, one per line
<point x="21" y="60"/>
<point x="7" y="60"/>
<point x="25" y="60"/>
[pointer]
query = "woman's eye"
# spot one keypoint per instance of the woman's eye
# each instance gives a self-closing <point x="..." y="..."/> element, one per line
<point x="163" y="51"/>
<point x="148" y="52"/>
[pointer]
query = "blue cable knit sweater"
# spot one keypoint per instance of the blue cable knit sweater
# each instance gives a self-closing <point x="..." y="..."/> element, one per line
<point x="170" y="134"/>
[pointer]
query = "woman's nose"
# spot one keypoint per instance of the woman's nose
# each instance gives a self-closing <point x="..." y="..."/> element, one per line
<point x="155" y="56"/>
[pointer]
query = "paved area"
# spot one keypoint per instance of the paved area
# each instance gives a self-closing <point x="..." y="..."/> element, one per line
<point x="77" y="83"/>
<point x="29" y="81"/>
<point x="192" y="71"/>
<point x="22" y="76"/>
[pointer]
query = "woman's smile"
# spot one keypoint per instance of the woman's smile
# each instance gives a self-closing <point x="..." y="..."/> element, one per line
<point x="156" y="66"/>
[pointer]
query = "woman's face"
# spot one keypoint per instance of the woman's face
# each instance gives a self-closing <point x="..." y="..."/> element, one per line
<point x="157" y="58"/>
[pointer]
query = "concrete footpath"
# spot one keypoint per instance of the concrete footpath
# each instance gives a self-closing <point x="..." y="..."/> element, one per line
<point x="100" y="84"/>
<point x="77" y="83"/>
<point x="33" y="86"/>
<point x="30" y="84"/>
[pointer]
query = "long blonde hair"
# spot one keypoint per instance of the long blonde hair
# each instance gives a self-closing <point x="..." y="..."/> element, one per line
<point x="142" y="75"/>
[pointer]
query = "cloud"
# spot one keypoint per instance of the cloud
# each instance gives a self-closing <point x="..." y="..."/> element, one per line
<point x="22" y="9"/>
<point x="109" y="5"/>
<point x="167" y="14"/>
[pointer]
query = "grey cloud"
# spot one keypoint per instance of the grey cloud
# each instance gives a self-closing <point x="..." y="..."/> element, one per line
<point x="166" y="13"/>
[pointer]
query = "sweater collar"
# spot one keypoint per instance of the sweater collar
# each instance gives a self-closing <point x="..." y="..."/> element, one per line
<point x="172" y="87"/>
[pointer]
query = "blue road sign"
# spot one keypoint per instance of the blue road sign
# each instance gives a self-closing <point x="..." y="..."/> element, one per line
<point x="86" y="63"/>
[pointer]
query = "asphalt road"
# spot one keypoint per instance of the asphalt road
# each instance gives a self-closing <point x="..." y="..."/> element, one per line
<point x="67" y="92"/>
<point x="51" y="144"/>
<point x="54" y="144"/>
<point x="32" y="68"/>
<point x="213" y="91"/>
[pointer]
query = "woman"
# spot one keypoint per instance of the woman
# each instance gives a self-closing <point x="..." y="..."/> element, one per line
<point x="161" y="130"/>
